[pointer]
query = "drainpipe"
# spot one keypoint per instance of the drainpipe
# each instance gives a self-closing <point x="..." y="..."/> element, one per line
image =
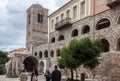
<point x="48" y="45"/>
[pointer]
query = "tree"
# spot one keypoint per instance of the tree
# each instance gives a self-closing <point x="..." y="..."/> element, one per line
<point x="80" y="52"/>
<point x="3" y="59"/>
<point x="67" y="60"/>
<point x="89" y="52"/>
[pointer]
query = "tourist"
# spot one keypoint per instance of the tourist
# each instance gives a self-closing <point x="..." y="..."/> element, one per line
<point x="56" y="74"/>
<point x="23" y="76"/>
<point x="47" y="75"/>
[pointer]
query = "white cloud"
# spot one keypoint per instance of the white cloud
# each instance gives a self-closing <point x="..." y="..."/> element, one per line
<point x="13" y="20"/>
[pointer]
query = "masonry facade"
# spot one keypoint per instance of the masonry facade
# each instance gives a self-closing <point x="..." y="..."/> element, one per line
<point x="75" y="20"/>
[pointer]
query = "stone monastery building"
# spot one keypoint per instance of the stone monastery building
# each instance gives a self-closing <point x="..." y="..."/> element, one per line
<point x="47" y="35"/>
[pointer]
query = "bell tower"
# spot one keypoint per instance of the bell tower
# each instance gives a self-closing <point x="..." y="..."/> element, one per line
<point x="37" y="27"/>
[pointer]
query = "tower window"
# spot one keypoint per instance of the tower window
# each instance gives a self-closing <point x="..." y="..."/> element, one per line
<point x="40" y="18"/>
<point x="29" y="19"/>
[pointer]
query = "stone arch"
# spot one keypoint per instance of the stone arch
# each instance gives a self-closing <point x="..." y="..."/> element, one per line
<point x="61" y="37"/>
<point x="52" y="53"/>
<point x="105" y="45"/>
<point x="74" y="33"/>
<point x="30" y="63"/>
<point x="46" y="54"/>
<point x="85" y="29"/>
<point x="58" y="53"/>
<point x="53" y="40"/>
<point x="41" y="67"/>
<point x="118" y="44"/>
<point x="40" y="54"/>
<point x="103" y="23"/>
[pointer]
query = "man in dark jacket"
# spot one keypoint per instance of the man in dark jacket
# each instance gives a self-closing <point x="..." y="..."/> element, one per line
<point x="56" y="75"/>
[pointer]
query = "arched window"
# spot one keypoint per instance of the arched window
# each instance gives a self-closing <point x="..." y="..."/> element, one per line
<point x="61" y="37"/>
<point x="119" y="20"/>
<point x="29" y="19"/>
<point x="74" y="33"/>
<point x="46" y="54"/>
<point x="52" y="53"/>
<point x="118" y="44"/>
<point x="53" y="40"/>
<point x="40" y="18"/>
<point x="103" y="23"/>
<point x="104" y="45"/>
<point x="40" y="54"/>
<point x="35" y="53"/>
<point x="58" y="53"/>
<point x="85" y="29"/>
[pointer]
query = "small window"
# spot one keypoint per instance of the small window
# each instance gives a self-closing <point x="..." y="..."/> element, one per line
<point x="62" y="16"/>
<point x="82" y="11"/>
<point x="74" y="11"/>
<point x="40" y="54"/>
<point x="74" y="33"/>
<point x="53" y="40"/>
<point x="46" y="53"/>
<point x="58" y="53"/>
<point x="61" y="38"/>
<point x="104" y="45"/>
<point x="29" y="19"/>
<point x="35" y="53"/>
<point x="52" y="24"/>
<point x="68" y="14"/>
<point x="103" y="23"/>
<point x="40" y="18"/>
<point x="56" y="19"/>
<point x="52" y="53"/>
<point x="85" y="29"/>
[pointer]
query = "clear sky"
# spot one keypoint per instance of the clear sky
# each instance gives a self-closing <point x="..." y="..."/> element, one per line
<point x="13" y="20"/>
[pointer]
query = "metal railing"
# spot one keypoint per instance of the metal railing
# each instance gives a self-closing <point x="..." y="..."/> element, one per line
<point x="62" y="23"/>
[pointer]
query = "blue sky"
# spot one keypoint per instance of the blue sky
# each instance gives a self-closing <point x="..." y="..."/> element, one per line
<point x="13" y="20"/>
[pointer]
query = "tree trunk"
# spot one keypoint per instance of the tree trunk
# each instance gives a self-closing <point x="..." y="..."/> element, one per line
<point x="76" y="73"/>
<point x="72" y="75"/>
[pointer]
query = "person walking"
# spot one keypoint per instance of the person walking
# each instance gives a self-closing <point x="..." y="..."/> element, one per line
<point x="33" y="76"/>
<point x="56" y="74"/>
<point x="36" y="74"/>
<point x="47" y="75"/>
<point x="23" y="76"/>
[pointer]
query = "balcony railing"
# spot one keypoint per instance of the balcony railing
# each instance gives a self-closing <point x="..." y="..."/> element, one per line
<point x="63" y="23"/>
<point x="113" y="3"/>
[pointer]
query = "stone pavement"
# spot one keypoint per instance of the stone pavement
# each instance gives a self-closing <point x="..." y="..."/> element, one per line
<point x="3" y="78"/>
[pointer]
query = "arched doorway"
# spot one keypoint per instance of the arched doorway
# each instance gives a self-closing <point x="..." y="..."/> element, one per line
<point x="74" y="33"/>
<point x="41" y="68"/>
<point x="105" y="45"/>
<point x="30" y="63"/>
